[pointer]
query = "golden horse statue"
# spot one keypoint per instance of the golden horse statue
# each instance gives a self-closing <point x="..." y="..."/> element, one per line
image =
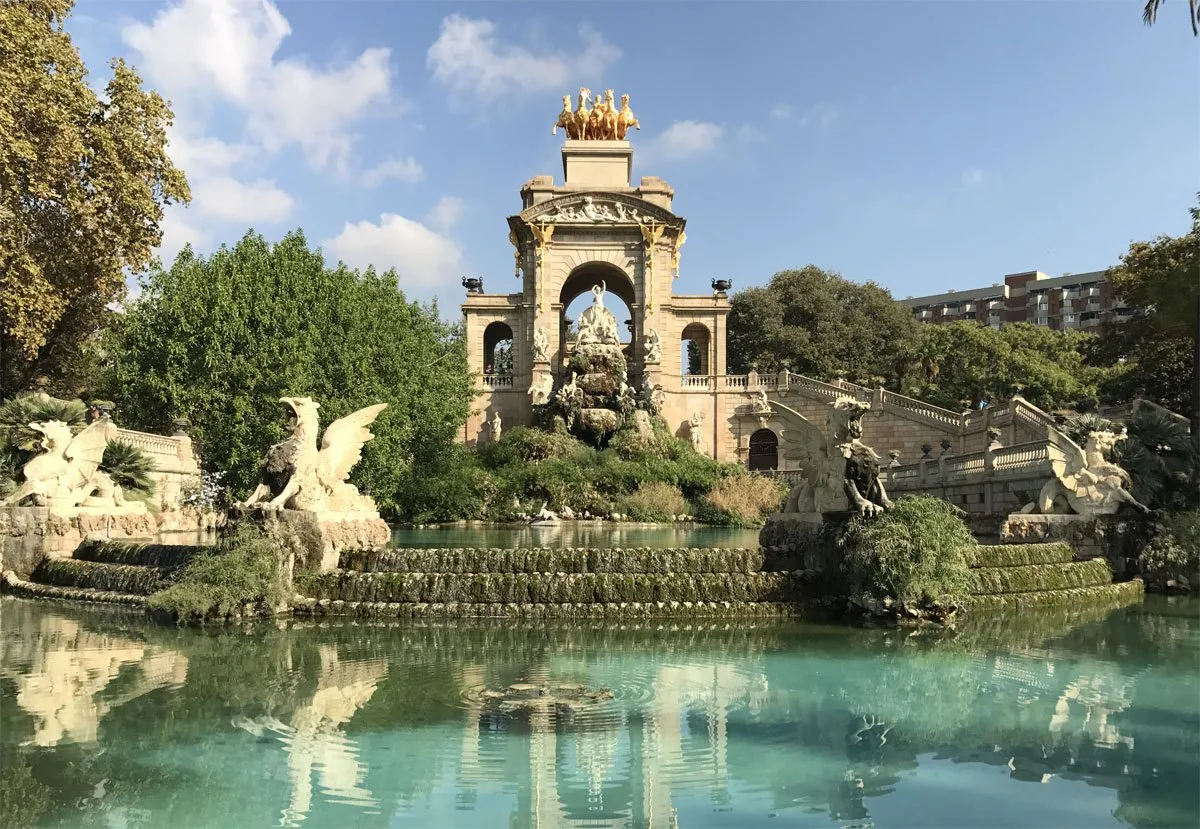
<point x="596" y="120"/>
<point x="582" y="113"/>
<point x="566" y="120"/>
<point x="626" y="119"/>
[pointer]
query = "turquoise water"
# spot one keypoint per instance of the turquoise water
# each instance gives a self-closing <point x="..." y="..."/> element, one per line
<point x="598" y="534"/>
<point x="1033" y="722"/>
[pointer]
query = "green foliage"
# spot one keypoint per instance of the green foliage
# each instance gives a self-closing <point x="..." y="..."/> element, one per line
<point x="244" y="568"/>
<point x="221" y="339"/>
<point x="742" y="501"/>
<point x="916" y="554"/>
<point x="453" y="486"/>
<point x="1157" y="279"/>
<point x="656" y="501"/>
<point x="816" y="323"/>
<point x="18" y="412"/>
<point x="83" y="182"/>
<point x="1172" y="558"/>
<point x="961" y="364"/>
<point x="128" y="466"/>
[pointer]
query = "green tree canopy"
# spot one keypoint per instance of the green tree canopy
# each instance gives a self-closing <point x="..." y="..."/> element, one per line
<point x="220" y="339"/>
<point x="815" y="322"/>
<point x="961" y="364"/>
<point x="1160" y="281"/>
<point x="83" y="181"/>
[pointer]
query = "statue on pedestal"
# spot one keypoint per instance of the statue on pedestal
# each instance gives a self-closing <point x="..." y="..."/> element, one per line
<point x="541" y="346"/>
<point x="67" y="474"/>
<point x="597" y="324"/>
<point x="1084" y="481"/>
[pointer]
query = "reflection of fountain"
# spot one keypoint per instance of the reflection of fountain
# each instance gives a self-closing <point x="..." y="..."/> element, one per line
<point x="72" y="665"/>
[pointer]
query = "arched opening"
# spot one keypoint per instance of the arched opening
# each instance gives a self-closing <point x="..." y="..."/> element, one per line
<point x="576" y="296"/>
<point x="695" y="348"/>
<point x="764" y="450"/>
<point x="498" y="350"/>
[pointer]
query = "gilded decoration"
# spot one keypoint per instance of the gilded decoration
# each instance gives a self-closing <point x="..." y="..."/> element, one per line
<point x="599" y="119"/>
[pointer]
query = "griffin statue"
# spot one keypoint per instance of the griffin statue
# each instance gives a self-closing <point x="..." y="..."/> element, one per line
<point x="298" y="475"/>
<point x="1084" y="481"/>
<point x="841" y="473"/>
<point x="67" y="473"/>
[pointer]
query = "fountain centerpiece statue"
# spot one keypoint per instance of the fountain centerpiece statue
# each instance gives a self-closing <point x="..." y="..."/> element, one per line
<point x="595" y="400"/>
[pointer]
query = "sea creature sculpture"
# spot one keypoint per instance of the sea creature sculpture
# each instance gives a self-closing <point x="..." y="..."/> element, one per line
<point x="1084" y="481"/>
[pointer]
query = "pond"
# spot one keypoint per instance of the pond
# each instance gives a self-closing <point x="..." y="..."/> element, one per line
<point x="596" y="534"/>
<point x="1086" y="720"/>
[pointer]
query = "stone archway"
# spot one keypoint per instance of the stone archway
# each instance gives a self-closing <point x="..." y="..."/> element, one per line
<point x="616" y="283"/>
<point x="764" y="450"/>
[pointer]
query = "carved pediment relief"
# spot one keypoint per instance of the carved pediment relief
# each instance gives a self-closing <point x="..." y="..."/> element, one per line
<point x="599" y="209"/>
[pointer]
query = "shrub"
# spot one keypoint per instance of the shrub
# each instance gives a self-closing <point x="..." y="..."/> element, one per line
<point x="914" y="554"/>
<point x="128" y="466"/>
<point x="527" y="444"/>
<point x="244" y="568"/>
<point x="655" y="501"/>
<point x="742" y="501"/>
<point x="1172" y="558"/>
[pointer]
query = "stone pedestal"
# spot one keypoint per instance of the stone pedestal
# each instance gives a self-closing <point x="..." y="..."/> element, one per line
<point x="597" y="164"/>
<point x="1118" y="539"/>
<point x="324" y="535"/>
<point x="801" y="541"/>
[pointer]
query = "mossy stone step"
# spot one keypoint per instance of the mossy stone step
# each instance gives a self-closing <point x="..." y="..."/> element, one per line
<point x="19" y="587"/>
<point x="1016" y="555"/>
<point x="547" y="560"/>
<point x="1100" y="595"/>
<point x="554" y="588"/>
<point x="119" y="578"/>
<point x="542" y="610"/>
<point x="147" y="555"/>
<point x="1030" y="578"/>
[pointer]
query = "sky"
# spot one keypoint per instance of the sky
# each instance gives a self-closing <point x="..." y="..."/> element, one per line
<point x="921" y="145"/>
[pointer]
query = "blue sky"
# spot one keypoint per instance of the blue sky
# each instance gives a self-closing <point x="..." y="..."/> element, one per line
<point x="923" y="145"/>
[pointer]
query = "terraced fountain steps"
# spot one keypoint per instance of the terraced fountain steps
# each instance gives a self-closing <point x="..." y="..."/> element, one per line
<point x="1021" y="576"/>
<point x="557" y="560"/>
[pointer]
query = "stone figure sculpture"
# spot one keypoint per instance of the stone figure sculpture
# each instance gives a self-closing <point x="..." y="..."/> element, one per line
<point x="651" y="397"/>
<point x="495" y="427"/>
<point x="541" y="390"/>
<point x="298" y="475"/>
<point x="597" y="324"/>
<point x="653" y="344"/>
<point x="67" y="473"/>
<point x="841" y="473"/>
<point x="541" y="346"/>
<point x="1084" y="481"/>
<point x="694" y="433"/>
<point x="761" y="404"/>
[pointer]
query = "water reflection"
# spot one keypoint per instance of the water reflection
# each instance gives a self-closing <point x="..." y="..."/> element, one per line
<point x="1070" y="720"/>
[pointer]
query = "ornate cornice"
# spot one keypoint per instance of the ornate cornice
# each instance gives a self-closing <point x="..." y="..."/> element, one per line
<point x="596" y="209"/>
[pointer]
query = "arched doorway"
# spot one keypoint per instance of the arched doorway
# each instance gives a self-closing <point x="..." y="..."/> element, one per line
<point x="576" y="296"/>
<point x="764" y="450"/>
<point x="498" y="350"/>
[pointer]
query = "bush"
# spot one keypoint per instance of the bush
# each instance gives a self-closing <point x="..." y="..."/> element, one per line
<point x="741" y="501"/>
<point x="656" y="501"/>
<point x="128" y="466"/>
<point x="915" y="554"/>
<point x="1171" y="561"/>
<point x="245" y="568"/>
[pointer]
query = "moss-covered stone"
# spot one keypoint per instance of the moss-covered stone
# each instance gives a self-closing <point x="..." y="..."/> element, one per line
<point x="564" y="610"/>
<point x="1016" y="555"/>
<point x="17" y="586"/>
<point x="119" y="578"/>
<point x="147" y="555"/>
<point x="1110" y="595"/>
<point x="543" y="560"/>
<point x="1034" y="577"/>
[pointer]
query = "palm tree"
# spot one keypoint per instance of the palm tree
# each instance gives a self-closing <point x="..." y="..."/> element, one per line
<point x="1150" y="13"/>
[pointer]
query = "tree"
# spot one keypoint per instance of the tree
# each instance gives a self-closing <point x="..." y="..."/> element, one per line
<point x="83" y="182"/>
<point x="1150" y="14"/>
<point x="963" y="364"/>
<point x="694" y="361"/>
<point x="220" y="339"/>
<point x="816" y="323"/>
<point x="1158" y="346"/>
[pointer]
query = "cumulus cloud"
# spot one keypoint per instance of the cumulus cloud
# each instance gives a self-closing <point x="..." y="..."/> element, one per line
<point x="820" y="116"/>
<point x="782" y="112"/>
<point x="424" y="258"/>
<point x="227" y="199"/>
<point x="683" y="140"/>
<point x="471" y="61"/>
<point x="407" y="170"/>
<point x="444" y="214"/>
<point x="972" y="177"/>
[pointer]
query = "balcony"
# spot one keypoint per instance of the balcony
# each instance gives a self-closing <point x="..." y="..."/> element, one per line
<point x="497" y="381"/>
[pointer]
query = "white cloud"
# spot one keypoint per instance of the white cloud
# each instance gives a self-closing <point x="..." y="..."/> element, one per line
<point x="972" y="177"/>
<point x="782" y="112"/>
<point x="227" y="199"/>
<point x="468" y="58"/>
<point x="444" y="214"/>
<point x="750" y="134"/>
<point x="683" y="140"/>
<point x="177" y="232"/>
<point x="407" y="170"/>
<point x="424" y="258"/>
<point x="820" y="116"/>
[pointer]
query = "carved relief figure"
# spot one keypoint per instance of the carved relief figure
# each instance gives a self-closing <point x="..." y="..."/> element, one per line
<point x="651" y="233"/>
<point x="840" y="471"/>
<point x="761" y="404"/>
<point x="541" y="346"/>
<point x="626" y="119"/>
<point x="653" y="344"/>
<point x="67" y="472"/>
<point x="298" y="475"/>
<point x="542" y="234"/>
<point x="1084" y="481"/>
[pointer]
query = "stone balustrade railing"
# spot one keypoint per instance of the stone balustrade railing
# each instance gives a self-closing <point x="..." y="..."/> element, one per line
<point x="497" y="381"/>
<point x="1123" y="411"/>
<point x="1030" y="459"/>
<point x="169" y="453"/>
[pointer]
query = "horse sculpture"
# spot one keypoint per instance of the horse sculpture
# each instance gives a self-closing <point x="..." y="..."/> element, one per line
<point x="582" y="114"/>
<point x="626" y="119"/>
<point x="566" y="120"/>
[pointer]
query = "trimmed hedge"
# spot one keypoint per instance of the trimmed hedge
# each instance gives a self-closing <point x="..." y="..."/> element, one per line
<point x="1110" y="595"/>
<point x="147" y="555"/>
<point x="115" y="578"/>
<point x="562" y="560"/>
<point x="553" y="588"/>
<point x="1033" y="577"/>
<point x="1016" y="555"/>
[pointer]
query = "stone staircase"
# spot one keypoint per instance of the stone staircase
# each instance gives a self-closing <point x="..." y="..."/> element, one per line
<point x="105" y="572"/>
<point x="551" y="583"/>
<point x="1021" y="576"/>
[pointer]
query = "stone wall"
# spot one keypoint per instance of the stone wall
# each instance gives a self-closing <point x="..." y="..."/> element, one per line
<point x="175" y="463"/>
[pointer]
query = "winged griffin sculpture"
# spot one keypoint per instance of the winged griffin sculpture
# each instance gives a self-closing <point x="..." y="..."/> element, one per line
<point x="67" y="472"/>
<point x="1084" y="480"/>
<point x="841" y="473"/>
<point x="298" y="475"/>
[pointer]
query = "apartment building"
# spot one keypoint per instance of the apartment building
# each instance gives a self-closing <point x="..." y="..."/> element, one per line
<point x="1074" y="301"/>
